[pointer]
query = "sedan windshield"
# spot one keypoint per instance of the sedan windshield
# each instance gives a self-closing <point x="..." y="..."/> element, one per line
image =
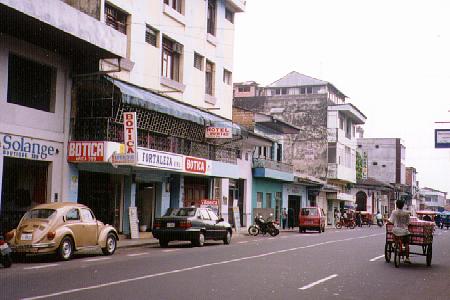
<point x="40" y="214"/>
<point x="181" y="212"/>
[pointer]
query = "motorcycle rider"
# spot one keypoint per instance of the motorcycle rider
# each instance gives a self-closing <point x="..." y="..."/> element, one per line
<point x="379" y="218"/>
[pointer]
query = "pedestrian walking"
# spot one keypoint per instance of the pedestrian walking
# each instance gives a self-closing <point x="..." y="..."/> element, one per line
<point x="284" y="216"/>
<point x="291" y="218"/>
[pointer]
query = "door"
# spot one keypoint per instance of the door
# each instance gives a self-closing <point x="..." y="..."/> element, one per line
<point x="90" y="228"/>
<point x="219" y="227"/>
<point x="209" y="224"/>
<point x="294" y="204"/>
<point x="73" y="221"/>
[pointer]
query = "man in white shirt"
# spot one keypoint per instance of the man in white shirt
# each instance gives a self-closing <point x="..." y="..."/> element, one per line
<point x="400" y="219"/>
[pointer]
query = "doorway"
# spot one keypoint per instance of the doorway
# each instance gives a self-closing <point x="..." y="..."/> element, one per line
<point x="145" y="203"/>
<point x="294" y="204"/>
<point x="195" y="189"/>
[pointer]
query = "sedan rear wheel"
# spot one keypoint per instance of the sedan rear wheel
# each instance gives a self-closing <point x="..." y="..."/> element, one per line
<point x="200" y="242"/>
<point x="111" y="245"/>
<point x="65" y="250"/>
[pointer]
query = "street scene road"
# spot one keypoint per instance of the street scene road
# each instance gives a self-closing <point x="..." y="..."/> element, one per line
<point x="341" y="264"/>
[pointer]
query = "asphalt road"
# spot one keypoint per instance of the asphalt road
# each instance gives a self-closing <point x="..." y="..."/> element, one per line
<point x="341" y="264"/>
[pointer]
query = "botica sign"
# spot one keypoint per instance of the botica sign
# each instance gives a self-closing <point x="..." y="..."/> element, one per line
<point x="27" y="148"/>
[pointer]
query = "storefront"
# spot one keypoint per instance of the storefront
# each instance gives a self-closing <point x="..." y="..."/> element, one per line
<point x="29" y="174"/>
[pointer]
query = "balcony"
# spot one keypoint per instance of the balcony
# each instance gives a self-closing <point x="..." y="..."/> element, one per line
<point x="340" y="172"/>
<point x="265" y="168"/>
<point x="237" y="5"/>
<point x="337" y="135"/>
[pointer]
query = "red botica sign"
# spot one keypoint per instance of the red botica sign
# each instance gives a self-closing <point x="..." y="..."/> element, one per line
<point x="86" y="151"/>
<point x="195" y="165"/>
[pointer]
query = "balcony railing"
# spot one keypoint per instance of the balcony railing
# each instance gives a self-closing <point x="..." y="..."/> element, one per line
<point x="272" y="164"/>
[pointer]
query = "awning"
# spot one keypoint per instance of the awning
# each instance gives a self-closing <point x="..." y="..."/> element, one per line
<point x="147" y="99"/>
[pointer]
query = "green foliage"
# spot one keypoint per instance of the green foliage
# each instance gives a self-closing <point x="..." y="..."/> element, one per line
<point x="359" y="166"/>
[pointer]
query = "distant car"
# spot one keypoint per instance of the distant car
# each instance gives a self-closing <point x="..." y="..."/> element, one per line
<point x="312" y="218"/>
<point x="61" y="228"/>
<point x="191" y="224"/>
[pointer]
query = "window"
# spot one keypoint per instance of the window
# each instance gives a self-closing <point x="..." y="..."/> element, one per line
<point x="116" y="18"/>
<point x="259" y="199"/>
<point x="31" y="84"/>
<point x="87" y="215"/>
<point x="229" y="15"/>
<point x="377" y="146"/>
<point x="279" y="152"/>
<point x="204" y="214"/>
<point x="302" y="90"/>
<point x="227" y="77"/>
<point x="151" y="35"/>
<point x="341" y="123"/>
<point x="211" y="22"/>
<point x="375" y="163"/>
<point x="171" y="54"/>
<point x="309" y="90"/>
<point x="209" y="78"/>
<point x="175" y="4"/>
<point x="268" y="200"/>
<point x="198" y="61"/>
<point x="73" y="215"/>
<point x="244" y="89"/>
<point x="213" y="216"/>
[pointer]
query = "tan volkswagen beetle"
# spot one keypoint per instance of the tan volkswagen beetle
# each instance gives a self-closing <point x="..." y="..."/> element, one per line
<point x="62" y="228"/>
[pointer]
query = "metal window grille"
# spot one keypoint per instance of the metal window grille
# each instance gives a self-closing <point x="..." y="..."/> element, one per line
<point x="227" y="77"/>
<point x="209" y="78"/>
<point x="211" y="22"/>
<point x="116" y="18"/>
<point x="198" y="61"/>
<point x="151" y="35"/>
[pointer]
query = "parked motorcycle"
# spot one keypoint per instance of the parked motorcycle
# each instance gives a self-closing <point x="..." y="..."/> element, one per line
<point x="5" y="253"/>
<point x="263" y="226"/>
<point x="349" y="223"/>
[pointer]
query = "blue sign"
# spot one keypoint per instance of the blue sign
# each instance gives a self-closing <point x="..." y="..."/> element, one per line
<point x="442" y="138"/>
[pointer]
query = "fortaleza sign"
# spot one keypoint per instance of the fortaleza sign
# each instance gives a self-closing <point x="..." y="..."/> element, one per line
<point x="160" y="160"/>
<point x="27" y="148"/>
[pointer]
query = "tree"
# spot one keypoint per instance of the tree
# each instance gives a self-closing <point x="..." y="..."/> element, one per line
<point x="359" y="166"/>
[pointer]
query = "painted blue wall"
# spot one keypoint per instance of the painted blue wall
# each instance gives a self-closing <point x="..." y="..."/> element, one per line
<point x="265" y="186"/>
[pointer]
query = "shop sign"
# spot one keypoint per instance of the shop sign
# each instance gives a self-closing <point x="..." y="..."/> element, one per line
<point x="122" y="158"/>
<point x="157" y="159"/>
<point x="195" y="165"/>
<point x="218" y="133"/>
<point x="27" y="148"/>
<point x="86" y="151"/>
<point x="442" y="138"/>
<point x="212" y="204"/>
<point x="130" y="135"/>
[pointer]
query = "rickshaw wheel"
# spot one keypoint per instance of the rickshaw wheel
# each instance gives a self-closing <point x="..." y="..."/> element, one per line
<point x="387" y="252"/>
<point x="397" y="257"/>
<point x="429" y="254"/>
<point x="352" y="225"/>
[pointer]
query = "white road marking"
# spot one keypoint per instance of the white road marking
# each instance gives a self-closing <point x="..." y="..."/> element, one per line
<point x="41" y="267"/>
<point x="376" y="258"/>
<point x="170" y="250"/>
<point x="137" y="254"/>
<point x="271" y="238"/>
<point x="92" y="287"/>
<point x="283" y="237"/>
<point x="318" y="281"/>
<point x="96" y="259"/>
<point x="243" y="242"/>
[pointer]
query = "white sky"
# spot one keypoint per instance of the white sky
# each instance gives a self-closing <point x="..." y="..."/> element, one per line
<point x="391" y="58"/>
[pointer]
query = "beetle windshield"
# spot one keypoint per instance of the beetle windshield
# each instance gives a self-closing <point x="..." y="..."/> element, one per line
<point x="40" y="214"/>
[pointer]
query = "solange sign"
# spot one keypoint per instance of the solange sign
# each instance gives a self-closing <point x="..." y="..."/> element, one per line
<point x="22" y="147"/>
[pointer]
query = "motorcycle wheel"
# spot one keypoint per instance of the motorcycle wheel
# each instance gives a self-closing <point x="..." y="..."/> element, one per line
<point x="253" y="230"/>
<point x="338" y="225"/>
<point x="7" y="261"/>
<point x="273" y="231"/>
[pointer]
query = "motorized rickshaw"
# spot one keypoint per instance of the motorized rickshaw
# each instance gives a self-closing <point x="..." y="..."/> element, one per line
<point x="443" y="220"/>
<point x="426" y="215"/>
<point x="366" y="218"/>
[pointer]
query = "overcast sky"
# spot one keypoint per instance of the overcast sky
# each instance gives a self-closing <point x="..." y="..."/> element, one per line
<point x="391" y="58"/>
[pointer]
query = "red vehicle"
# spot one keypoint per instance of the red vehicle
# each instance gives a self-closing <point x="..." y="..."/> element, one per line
<point x="312" y="218"/>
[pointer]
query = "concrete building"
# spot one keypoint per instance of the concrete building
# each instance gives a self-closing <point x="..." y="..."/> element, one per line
<point x="40" y="54"/>
<point x="433" y="199"/>
<point x="324" y="151"/>
<point x="170" y="61"/>
<point x="412" y="189"/>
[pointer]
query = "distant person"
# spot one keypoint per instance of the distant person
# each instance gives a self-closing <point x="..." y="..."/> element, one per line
<point x="358" y="220"/>
<point x="291" y="218"/>
<point x="284" y="216"/>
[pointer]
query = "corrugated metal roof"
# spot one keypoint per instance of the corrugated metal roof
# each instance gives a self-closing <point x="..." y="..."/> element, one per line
<point x="296" y="79"/>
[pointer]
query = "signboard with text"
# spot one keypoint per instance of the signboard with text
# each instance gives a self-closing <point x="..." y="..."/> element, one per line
<point x="159" y="159"/>
<point x="27" y="148"/>
<point x="196" y="165"/>
<point x="130" y="135"/>
<point x="86" y="151"/>
<point x="442" y="138"/>
<point x="218" y="133"/>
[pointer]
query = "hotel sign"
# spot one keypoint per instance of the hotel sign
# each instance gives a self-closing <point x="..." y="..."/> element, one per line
<point x="26" y="148"/>
<point x="86" y="151"/>
<point x="218" y="133"/>
<point x="160" y="160"/>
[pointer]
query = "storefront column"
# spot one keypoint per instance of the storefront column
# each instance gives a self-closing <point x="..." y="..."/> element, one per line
<point x="1" y="179"/>
<point x="225" y="198"/>
<point x="129" y="200"/>
<point x="176" y="191"/>
<point x="70" y="188"/>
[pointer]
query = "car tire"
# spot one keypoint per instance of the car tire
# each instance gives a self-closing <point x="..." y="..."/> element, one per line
<point x="66" y="248"/>
<point x="227" y="238"/>
<point x="323" y="228"/>
<point x="320" y="229"/>
<point x="111" y="244"/>
<point x="163" y="243"/>
<point x="200" y="241"/>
